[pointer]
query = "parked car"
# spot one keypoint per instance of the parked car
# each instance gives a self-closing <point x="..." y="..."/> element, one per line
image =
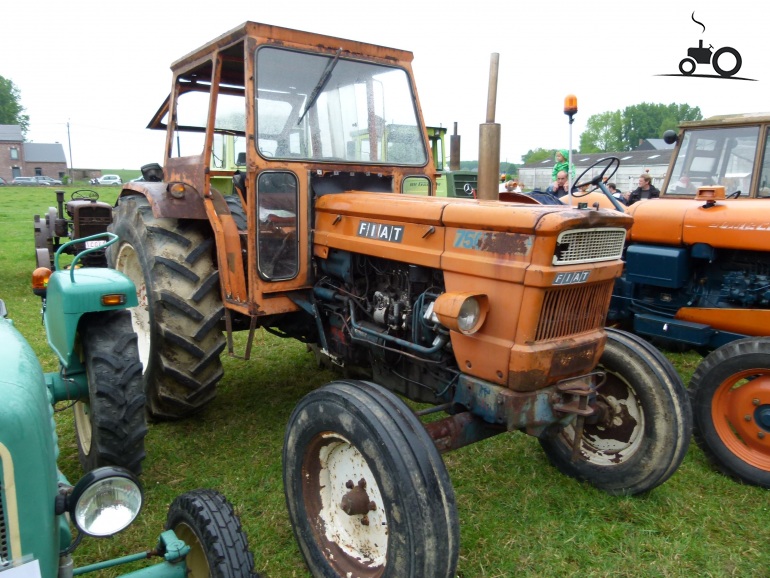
<point x="109" y="180"/>
<point x="2" y="182"/>
<point x="27" y="181"/>
<point x="43" y="180"/>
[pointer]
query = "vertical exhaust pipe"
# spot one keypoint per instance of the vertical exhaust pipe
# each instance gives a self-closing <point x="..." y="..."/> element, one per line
<point x="454" y="151"/>
<point x="489" y="141"/>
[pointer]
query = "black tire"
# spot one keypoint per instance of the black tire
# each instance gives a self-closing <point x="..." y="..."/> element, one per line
<point x="402" y="521"/>
<point x="207" y="523"/>
<point x="180" y="307"/>
<point x="236" y="210"/>
<point x="644" y="436"/>
<point x="721" y="71"/>
<point x="687" y="66"/>
<point x="730" y="392"/>
<point x="110" y="425"/>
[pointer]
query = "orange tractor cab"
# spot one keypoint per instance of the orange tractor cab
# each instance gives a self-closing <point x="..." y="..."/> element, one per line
<point x="698" y="274"/>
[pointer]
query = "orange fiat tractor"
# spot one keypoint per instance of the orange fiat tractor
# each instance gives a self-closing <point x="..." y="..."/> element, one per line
<point x="698" y="274"/>
<point x="323" y="225"/>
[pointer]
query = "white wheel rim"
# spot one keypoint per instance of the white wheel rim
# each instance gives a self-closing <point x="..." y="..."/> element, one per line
<point x="341" y="463"/>
<point x="83" y="428"/>
<point x="618" y="439"/>
<point x="128" y="264"/>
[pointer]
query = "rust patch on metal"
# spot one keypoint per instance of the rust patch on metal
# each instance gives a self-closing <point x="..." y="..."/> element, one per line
<point x="505" y="243"/>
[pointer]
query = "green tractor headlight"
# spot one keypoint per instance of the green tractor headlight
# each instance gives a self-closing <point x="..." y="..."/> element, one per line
<point x="105" y="501"/>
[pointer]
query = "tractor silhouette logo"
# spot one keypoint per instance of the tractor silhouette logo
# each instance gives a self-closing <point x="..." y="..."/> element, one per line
<point x="725" y="61"/>
<point x="701" y="55"/>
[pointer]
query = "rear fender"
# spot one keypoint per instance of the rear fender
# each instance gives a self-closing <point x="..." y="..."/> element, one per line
<point x="187" y="204"/>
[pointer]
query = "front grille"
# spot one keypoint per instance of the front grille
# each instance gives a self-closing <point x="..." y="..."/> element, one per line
<point x="460" y="182"/>
<point x="91" y="220"/>
<point x="589" y="245"/>
<point x="573" y="309"/>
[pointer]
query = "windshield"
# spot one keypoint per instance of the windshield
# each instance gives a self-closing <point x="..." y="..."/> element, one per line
<point x="720" y="156"/>
<point x="328" y="108"/>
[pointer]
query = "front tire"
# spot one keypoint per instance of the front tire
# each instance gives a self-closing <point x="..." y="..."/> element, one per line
<point x="730" y="394"/>
<point x="110" y="425"/>
<point x="367" y="492"/>
<point x="180" y="308"/>
<point x="207" y="523"/>
<point x="644" y="433"/>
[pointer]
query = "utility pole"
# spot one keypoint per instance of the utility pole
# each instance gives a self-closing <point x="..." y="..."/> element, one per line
<point x="69" y="143"/>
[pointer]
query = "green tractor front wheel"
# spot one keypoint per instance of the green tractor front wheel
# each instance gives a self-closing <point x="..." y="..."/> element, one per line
<point x="110" y="425"/>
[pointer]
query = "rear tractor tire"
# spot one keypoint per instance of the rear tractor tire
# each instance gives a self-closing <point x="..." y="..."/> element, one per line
<point x="367" y="492"/>
<point x="730" y="394"/>
<point x="110" y="425"/>
<point x="180" y="308"/>
<point x="645" y="431"/>
<point x="207" y="523"/>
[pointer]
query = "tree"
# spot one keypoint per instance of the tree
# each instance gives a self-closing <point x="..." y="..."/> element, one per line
<point x="604" y="133"/>
<point x="11" y="111"/>
<point x="538" y="154"/>
<point x="508" y="168"/>
<point x="624" y="130"/>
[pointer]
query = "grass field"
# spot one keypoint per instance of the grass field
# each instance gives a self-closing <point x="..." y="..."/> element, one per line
<point x="518" y="515"/>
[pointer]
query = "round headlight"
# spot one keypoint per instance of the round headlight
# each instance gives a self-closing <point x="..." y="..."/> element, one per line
<point x="105" y="501"/>
<point x="461" y="311"/>
<point x="469" y="315"/>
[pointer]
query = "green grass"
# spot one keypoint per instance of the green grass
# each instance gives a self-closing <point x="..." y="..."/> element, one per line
<point x="518" y="515"/>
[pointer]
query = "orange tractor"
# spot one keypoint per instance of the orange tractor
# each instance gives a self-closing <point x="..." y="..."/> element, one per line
<point x="297" y="195"/>
<point x="698" y="274"/>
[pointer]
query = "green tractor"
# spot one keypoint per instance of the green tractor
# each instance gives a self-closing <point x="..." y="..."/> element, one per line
<point x="43" y="517"/>
<point x="450" y="181"/>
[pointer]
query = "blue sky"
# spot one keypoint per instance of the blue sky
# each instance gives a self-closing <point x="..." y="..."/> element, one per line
<point x="105" y="71"/>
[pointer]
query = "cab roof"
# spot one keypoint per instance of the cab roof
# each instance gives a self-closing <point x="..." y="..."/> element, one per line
<point x="729" y="119"/>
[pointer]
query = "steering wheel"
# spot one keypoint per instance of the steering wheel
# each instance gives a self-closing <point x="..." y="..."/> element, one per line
<point x="734" y="195"/>
<point x="598" y="180"/>
<point x="85" y="194"/>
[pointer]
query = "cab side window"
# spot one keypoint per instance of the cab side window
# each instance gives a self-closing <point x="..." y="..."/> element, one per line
<point x="278" y="244"/>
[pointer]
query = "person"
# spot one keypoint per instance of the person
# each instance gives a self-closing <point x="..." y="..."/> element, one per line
<point x="512" y="186"/>
<point x="562" y="163"/>
<point x="683" y="185"/>
<point x="645" y="190"/>
<point x="614" y="191"/>
<point x="503" y="180"/>
<point x="559" y="187"/>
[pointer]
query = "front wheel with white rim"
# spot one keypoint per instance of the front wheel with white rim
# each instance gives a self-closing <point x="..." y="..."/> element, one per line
<point x="643" y="427"/>
<point x="367" y="492"/>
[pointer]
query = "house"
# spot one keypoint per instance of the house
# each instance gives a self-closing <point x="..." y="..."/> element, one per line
<point x="26" y="159"/>
<point x="632" y="164"/>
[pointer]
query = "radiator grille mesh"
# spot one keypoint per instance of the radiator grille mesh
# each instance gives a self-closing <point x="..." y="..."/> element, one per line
<point x="573" y="309"/>
<point x="589" y="245"/>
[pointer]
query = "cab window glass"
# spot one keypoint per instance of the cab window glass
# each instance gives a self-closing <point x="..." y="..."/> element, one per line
<point x="708" y="157"/>
<point x="277" y="206"/>
<point x="329" y="107"/>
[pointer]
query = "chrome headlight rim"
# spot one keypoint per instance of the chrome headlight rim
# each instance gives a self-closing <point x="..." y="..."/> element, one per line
<point x="91" y="497"/>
